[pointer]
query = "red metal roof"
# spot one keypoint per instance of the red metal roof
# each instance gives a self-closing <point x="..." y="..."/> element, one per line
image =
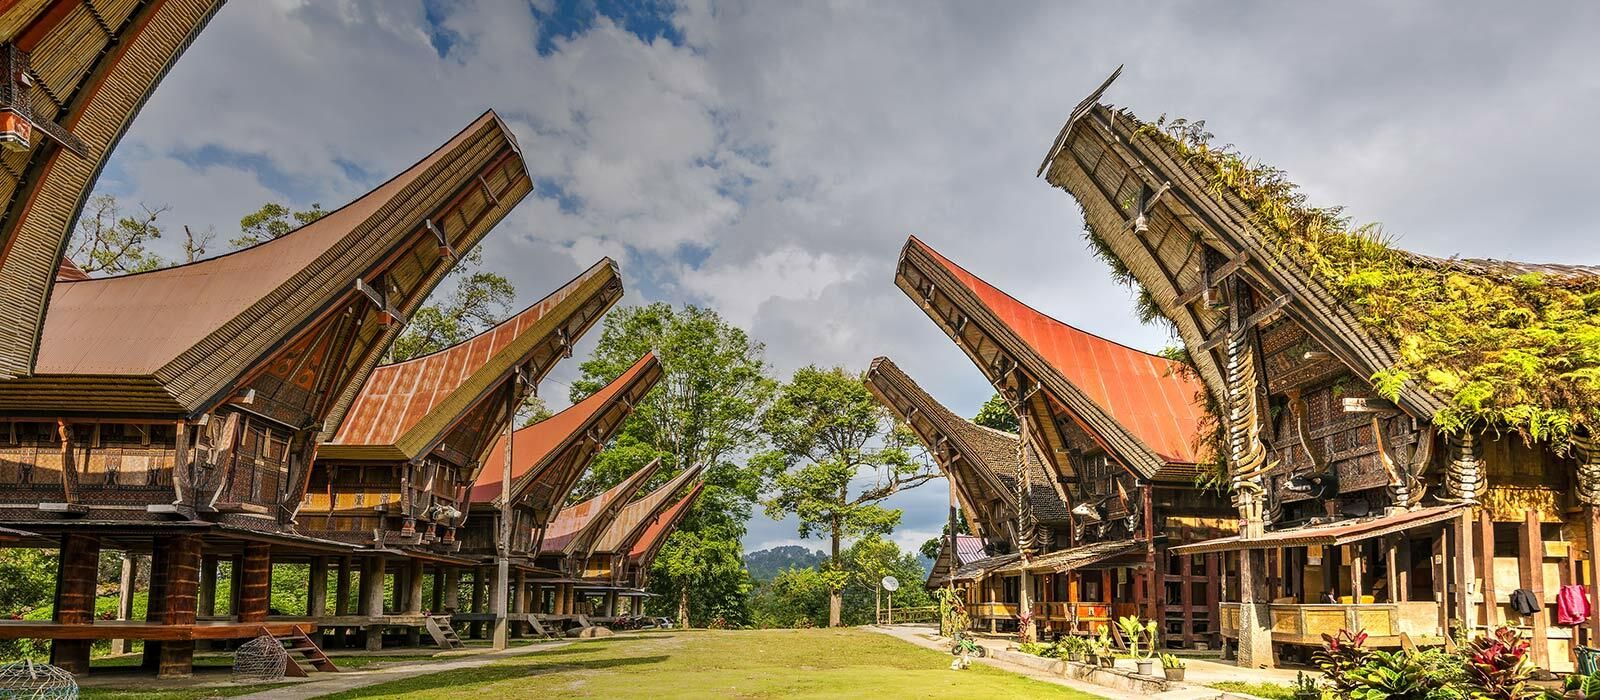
<point x="399" y="395"/>
<point x="1147" y="394"/>
<point x="650" y="542"/>
<point x="589" y="519"/>
<point x="537" y="443"/>
<point x="635" y="517"/>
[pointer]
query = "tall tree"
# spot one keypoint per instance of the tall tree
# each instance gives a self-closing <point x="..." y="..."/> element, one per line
<point x="705" y="411"/>
<point x="827" y="431"/>
<point x="996" y="413"/>
<point x="108" y="240"/>
<point x="271" y="221"/>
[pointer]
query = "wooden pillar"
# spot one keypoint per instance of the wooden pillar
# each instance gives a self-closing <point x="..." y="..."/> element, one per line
<point x="235" y="586"/>
<point x="182" y="579"/>
<point x="519" y="586"/>
<point x="1462" y="525"/>
<point x="125" y="586"/>
<point x="317" y="590"/>
<point x="76" y="577"/>
<point x="1214" y="595"/>
<point x="1591" y="522"/>
<point x="414" y="587"/>
<point x="256" y="581"/>
<point x="1402" y="577"/>
<point x="452" y="590"/>
<point x="1358" y="564"/>
<point x="341" y="588"/>
<point x="1441" y="579"/>
<point x="1255" y="612"/>
<point x="535" y="597"/>
<point x="1186" y="598"/>
<point x="477" y="601"/>
<point x="207" y="604"/>
<point x="436" y="600"/>
<point x="1491" y="598"/>
<point x="372" y="579"/>
<point x="1532" y="569"/>
<point x="155" y="607"/>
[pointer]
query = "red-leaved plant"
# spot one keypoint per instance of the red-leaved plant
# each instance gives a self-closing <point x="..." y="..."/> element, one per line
<point x="1497" y="665"/>
<point x="1340" y="657"/>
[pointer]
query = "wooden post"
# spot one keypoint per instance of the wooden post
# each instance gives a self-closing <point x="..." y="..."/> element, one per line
<point x="1186" y="598"/>
<point x="1441" y="577"/>
<point x="155" y="608"/>
<point x="1214" y="595"/>
<point x="317" y="590"/>
<point x="502" y="564"/>
<point x="414" y="587"/>
<point x="1255" y="611"/>
<point x="518" y="589"/>
<point x="1391" y="562"/>
<point x="235" y="586"/>
<point x="1358" y="561"/>
<point x="1491" y="600"/>
<point x="1591" y="521"/>
<point x="182" y="579"/>
<point x="1403" y="575"/>
<point x="452" y="590"/>
<point x="372" y="577"/>
<point x="436" y="600"/>
<point x="76" y="578"/>
<point x="256" y="581"/>
<point x="477" y="601"/>
<point x="341" y="588"/>
<point x="1464" y="567"/>
<point x="1532" y="568"/>
<point x="125" y="586"/>
<point x="208" y="586"/>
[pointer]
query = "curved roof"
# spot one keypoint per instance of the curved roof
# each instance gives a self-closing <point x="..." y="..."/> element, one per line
<point x="181" y="336"/>
<point x="94" y="66"/>
<point x="649" y="544"/>
<point x="637" y="516"/>
<point x="1148" y="396"/>
<point x="408" y="405"/>
<point x="539" y="448"/>
<point x="577" y="528"/>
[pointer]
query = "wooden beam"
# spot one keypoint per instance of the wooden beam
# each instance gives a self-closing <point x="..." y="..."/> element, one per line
<point x="1591" y="521"/>
<point x="1188" y="296"/>
<point x="1491" y="603"/>
<point x="1531" y="566"/>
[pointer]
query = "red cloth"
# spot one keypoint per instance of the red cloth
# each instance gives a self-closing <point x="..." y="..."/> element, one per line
<point x="1572" y="605"/>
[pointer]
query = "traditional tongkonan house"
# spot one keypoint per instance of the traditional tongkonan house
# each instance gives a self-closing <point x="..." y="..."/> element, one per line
<point x="73" y="74"/>
<point x="644" y="552"/>
<point x="577" y="529"/>
<point x="1010" y="510"/>
<point x="1409" y="439"/>
<point x="607" y="570"/>
<point x="1122" y="434"/>
<point x="394" y="480"/>
<point x="546" y="461"/>
<point x="178" y="411"/>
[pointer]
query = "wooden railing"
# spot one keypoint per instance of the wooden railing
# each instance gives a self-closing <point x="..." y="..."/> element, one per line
<point x="1294" y="623"/>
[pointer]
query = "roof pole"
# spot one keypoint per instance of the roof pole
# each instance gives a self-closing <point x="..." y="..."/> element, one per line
<point x="502" y="564"/>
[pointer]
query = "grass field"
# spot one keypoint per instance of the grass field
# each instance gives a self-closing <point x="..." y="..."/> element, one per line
<point x="744" y="664"/>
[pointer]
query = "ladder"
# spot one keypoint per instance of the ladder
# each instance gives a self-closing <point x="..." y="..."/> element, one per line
<point x="442" y="632"/>
<point x="298" y="641"/>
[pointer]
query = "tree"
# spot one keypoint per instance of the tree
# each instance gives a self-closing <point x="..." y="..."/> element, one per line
<point x="705" y="410"/>
<point x="480" y="300"/>
<point x="109" y="241"/>
<point x="997" y="414"/>
<point x="271" y="221"/>
<point x="826" y="430"/>
<point x="195" y="244"/>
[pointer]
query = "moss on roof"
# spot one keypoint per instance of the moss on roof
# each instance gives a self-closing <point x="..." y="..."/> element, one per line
<point x="1506" y="345"/>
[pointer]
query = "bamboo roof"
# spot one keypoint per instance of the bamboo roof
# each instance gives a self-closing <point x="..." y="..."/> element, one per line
<point x="981" y="461"/>
<point x="94" y="65"/>
<point x="577" y="528"/>
<point x="1154" y="203"/>
<point x="405" y="409"/>
<point x="636" y="517"/>
<point x="1143" y="409"/>
<point x="655" y="537"/>
<point x="177" y="341"/>
<point x="548" y="457"/>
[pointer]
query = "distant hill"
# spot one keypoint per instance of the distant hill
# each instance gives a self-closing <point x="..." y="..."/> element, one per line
<point x="765" y="564"/>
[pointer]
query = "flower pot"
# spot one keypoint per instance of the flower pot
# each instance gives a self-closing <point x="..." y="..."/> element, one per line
<point x="1108" y="661"/>
<point x="1173" y="674"/>
<point x="1146" y="666"/>
<point x="1075" y="657"/>
<point x="1307" y="695"/>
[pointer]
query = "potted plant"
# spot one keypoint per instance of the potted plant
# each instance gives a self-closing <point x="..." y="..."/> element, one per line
<point x="1074" y="647"/>
<point x="1172" y="667"/>
<point x="1141" y="639"/>
<point x="1106" y="656"/>
<point x="1305" y="687"/>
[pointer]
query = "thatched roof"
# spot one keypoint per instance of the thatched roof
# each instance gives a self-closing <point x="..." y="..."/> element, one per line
<point x="1459" y="341"/>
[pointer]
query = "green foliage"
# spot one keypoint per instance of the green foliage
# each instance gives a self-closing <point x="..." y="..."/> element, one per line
<point x="1577" y="687"/>
<point x="271" y="221"/>
<point x="798" y="597"/>
<point x="480" y="300"/>
<point x="826" y="430"/>
<point x="1139" y="634"/>
<point x="1493" y="667"/>
<point x="996" y="413"/>
<point x="1521" y="352"/>
<point x="766" y="564"/>
<point x="1170" y="661"/>
<point x="108" y="240"/>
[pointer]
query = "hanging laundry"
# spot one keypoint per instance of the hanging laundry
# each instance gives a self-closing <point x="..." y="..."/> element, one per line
<point x="1524" y="602"/>
<point x="1572" y="605"/>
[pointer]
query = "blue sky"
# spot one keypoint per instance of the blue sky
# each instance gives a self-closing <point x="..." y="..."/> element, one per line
<point x="769" y="159"/>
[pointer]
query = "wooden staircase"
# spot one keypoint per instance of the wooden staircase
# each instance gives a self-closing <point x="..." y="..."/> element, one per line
<point x="442" y="632"/>
<point x="297" y="641"/>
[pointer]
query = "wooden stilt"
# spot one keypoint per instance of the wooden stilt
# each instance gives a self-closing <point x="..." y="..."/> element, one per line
<point x="1491" y="600"/>
<point x="125" y="586"/>
<point x="372" y="579"/>
<point x="317" y="591"/>
<point x="452" y="590"/>
<point x="1464" y="569"/>
<point x="414" y="587"/>
<point x="76" y="578"/>
<point x="182" y="592"/>
<point x="1186" y="598"/>
<point x="477" y="601"/>
<point x="1532" y="565"/>
<point x="256" y="582"/>
<point x="436" y="600"/>
<point x="208" y="586"/>
<point x="155" y="607"/>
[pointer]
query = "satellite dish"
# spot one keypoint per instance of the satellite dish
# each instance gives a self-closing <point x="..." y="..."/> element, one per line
<point x="891" y="584"/>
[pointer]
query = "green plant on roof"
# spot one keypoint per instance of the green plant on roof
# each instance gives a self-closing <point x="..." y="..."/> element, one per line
<point x="1514" y="351"/>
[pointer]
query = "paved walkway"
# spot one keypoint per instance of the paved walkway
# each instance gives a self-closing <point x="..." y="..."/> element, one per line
<point x="331" y="683"/>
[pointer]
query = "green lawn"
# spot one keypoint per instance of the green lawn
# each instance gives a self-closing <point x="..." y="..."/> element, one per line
<point x="752" y="664"/>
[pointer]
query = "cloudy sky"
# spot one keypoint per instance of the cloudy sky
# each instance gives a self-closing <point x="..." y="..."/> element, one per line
<point x="769" y="159"/>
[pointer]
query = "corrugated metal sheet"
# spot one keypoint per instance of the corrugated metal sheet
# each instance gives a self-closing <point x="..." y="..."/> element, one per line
<point x="1147" y="394"/>
<point x="103" y="80"/>
<point x="535" y="446"/>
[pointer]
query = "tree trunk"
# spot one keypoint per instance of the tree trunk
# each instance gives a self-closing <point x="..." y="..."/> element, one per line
<point x="683" y="607"/>
<point x="835" y="598"/>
